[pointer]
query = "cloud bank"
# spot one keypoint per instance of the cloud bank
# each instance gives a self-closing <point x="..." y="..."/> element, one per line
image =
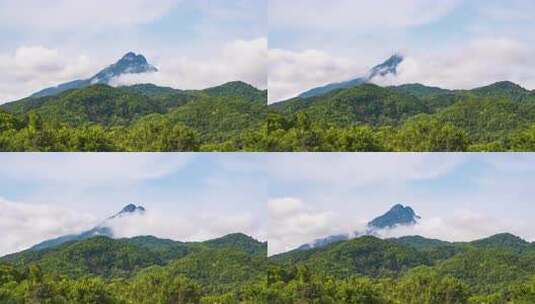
<point x="244" y="60"/>
<point x="31" y="68"/>
<point x="479" y="62"/>
<point x="293" y="223"/>
<point x="291" y="73"/>
<point x="25" y="225"/>
<point x="184" y="227"/>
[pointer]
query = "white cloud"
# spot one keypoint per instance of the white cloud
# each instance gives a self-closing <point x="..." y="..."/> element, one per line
<point x="69" y="16"/>
<point x="24" y="225"/>
<point x="285" y="207"/>
<point x="90" y="169"/>
<point x="31" y="68"/>
<point x="182" y="227"/>
<point x="237" y="60"/>
<point x="462" y="225"/>
<point x="350" y="15"/>
<point x="291" y="73"/>
<point x="458" y="224"/>
<point x="480" y="62"/>
<point x="293" y="223"/>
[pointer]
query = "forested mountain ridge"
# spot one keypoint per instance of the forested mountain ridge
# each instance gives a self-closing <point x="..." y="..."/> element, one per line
<point x="236" y="117"/>
<point x="109" y="106"/>
<point x="498" y="269"/>
<point x="143" y="269"/>
<point x="90" y="256"/>
<point x="408" y="270"/>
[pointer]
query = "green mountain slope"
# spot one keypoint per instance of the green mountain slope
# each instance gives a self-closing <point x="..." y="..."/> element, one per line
<point x="108" y="106"/>
<point x="235" y="117"/>
<point x="419" y="242"/>
<point x="139" y="270"/>
<point x="110" y="258"/>
<point x="364" y="104"/>
<point x="367" y="256"/>
<point x="498" y="269"/>
<point x="420" y="90"/>
<point x="99" y="104"/>
<point x="238" y="89"/>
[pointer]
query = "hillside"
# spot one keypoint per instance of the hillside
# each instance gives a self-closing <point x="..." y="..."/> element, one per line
<point x="235" y="117"/>
<point x="365" y="104"/>
<point x="498" y="269"/>
<point x="108" y="258"/>
<point x="142" y="269"/>
<point x="234" y="269"/>
<point x="368" y="256"/>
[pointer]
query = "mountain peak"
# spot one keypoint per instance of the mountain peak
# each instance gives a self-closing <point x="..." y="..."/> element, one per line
<point x="130" y="63"/>
<point x="133" y="57"/>
<point x="397" y="215"/>
<point x="103" y="229"/>
<point x="131" y="208"/>
<point x="389" y="66"/>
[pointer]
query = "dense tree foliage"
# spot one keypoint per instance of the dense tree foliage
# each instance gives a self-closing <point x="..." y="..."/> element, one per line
<point x="234" y="269"/>
<point x="495" y="270"/>
<point x="236" y="117"/>
<point x="139" y="270"/>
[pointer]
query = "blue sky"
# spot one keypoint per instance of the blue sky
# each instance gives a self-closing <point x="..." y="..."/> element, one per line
<point x="286" y="199"/>
<point x="195" y="43"/>
<point x="451" y="43"/>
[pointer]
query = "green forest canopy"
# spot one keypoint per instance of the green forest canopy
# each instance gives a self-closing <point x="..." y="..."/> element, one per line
<point x="236" y="269"/>
<point x="236" y="117"/>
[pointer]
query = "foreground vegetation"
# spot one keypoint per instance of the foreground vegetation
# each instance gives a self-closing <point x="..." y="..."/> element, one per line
<point x="499" y="269"/>
<point x="234" y="269"/>
<point x="236" y="117"/>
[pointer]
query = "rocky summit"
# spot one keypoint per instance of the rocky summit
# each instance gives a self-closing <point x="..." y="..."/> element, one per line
<point x="389" y="67"/>
<point x="130" y="63"/>
<point x="397" y="215"/>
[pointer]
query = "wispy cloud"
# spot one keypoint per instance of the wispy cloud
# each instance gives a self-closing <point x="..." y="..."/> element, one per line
<point x="90" y="169"/>
<point x="349" y="170"/>
<point x="64" y="15"/>
<point x="349" y="16"/>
